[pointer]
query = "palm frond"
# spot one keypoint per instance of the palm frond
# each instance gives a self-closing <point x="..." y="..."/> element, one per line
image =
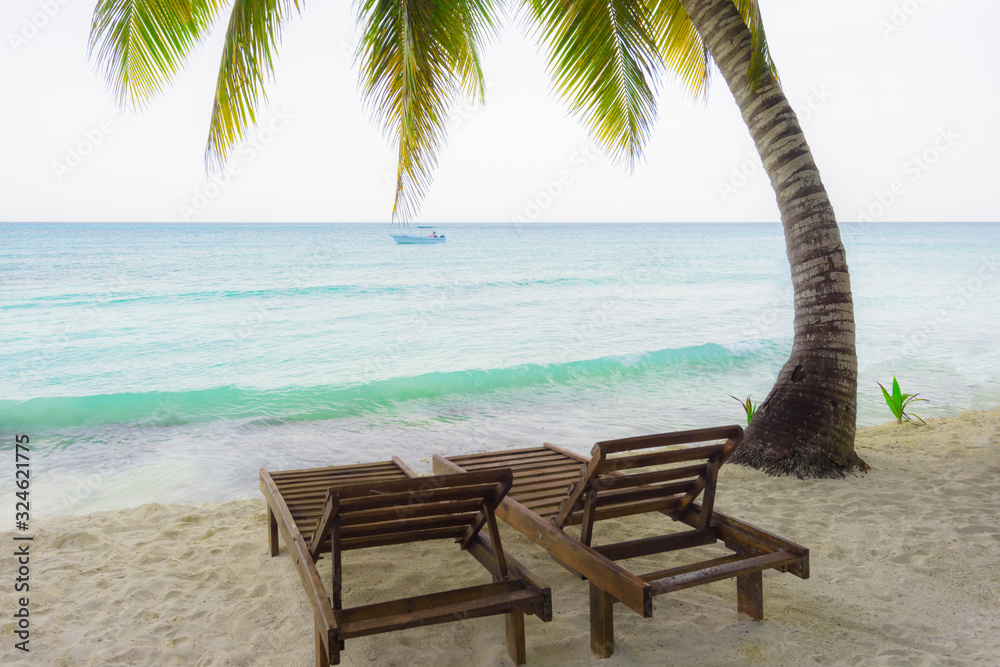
<point x="760" y="61"/>
<point x="481" y="22"/>
<point x="681" y="47"/>
<point x="416" y="57"/>
<point x="604" y="60"/>
<point x="141" y="44"/>
<point x="247" y="61"/>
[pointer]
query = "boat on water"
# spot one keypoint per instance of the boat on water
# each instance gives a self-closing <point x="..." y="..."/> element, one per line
<point x="426" y="235"/>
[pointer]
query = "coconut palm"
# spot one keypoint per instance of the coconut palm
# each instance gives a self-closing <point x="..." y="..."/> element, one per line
<point x="418" y="58"/>
<point x="806" y="425"/>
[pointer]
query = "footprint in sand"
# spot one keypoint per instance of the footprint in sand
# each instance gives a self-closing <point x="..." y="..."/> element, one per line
<point x="915" y="558"/>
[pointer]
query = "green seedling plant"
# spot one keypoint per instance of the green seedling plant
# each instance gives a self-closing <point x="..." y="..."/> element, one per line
<point x="898" y="401"/>
<point x="750" y="408"/>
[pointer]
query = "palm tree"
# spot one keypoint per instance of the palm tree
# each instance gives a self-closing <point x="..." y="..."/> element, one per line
<point x="806" y="425"/>
<point x="606" y="58"/>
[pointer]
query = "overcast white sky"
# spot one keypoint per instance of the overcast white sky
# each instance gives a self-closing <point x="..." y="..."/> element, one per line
<point x="877" y="82"/>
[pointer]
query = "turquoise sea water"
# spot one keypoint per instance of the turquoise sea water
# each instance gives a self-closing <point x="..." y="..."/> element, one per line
<point x="169" y="362"/>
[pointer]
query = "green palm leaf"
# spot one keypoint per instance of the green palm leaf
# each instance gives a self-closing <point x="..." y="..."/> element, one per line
<point x="604" y="60"/>
<point x="760" y="60"/>
<point x="247" y="61"/>
<point x="141" y="44"/>
<point x="480" y="24"/>
<point x="681" y="47"/>
<point x="416" y="57"/>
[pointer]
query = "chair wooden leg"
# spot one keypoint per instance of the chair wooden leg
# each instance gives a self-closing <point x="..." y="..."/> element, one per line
<point x="337" y="576"/>
<point x="322" y="657"/>
<point x="602" y="623"/>
<point x="272" y="532"/>
<point x="515" y="636"/>
<point x="750" y="595"/>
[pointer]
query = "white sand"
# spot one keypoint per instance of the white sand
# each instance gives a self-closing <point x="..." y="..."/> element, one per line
<point x="905" y="571"/>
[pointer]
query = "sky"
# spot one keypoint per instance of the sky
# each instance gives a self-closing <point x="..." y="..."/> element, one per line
<point x="898" y="100"/>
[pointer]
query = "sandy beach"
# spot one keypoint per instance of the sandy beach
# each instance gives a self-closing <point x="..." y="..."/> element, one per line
<point x="905" y="564"/>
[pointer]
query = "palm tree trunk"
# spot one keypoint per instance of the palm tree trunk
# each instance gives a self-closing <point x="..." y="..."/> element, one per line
<point x="806" y="425"/>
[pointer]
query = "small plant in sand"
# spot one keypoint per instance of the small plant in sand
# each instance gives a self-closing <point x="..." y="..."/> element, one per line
<point x="897" y="402"/>
<point x="750" y="408"/>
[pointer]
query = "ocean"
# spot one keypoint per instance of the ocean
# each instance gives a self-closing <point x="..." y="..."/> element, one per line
<point x="168" y="363"/>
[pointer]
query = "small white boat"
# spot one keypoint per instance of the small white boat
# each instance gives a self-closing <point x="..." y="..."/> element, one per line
<point x="428" y="235"/>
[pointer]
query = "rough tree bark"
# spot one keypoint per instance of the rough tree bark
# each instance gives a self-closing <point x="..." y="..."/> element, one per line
<point x="806" y="425"/>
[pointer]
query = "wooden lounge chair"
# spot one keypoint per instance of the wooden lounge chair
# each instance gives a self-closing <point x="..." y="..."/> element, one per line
<point x="336" y="509"/>
<point x="554" y="489"/>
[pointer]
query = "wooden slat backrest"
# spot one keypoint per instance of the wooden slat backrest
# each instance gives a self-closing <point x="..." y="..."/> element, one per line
<point x="615" y="480"/>
<point x="303" y="492"/>
<point x="423" y="508"/>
